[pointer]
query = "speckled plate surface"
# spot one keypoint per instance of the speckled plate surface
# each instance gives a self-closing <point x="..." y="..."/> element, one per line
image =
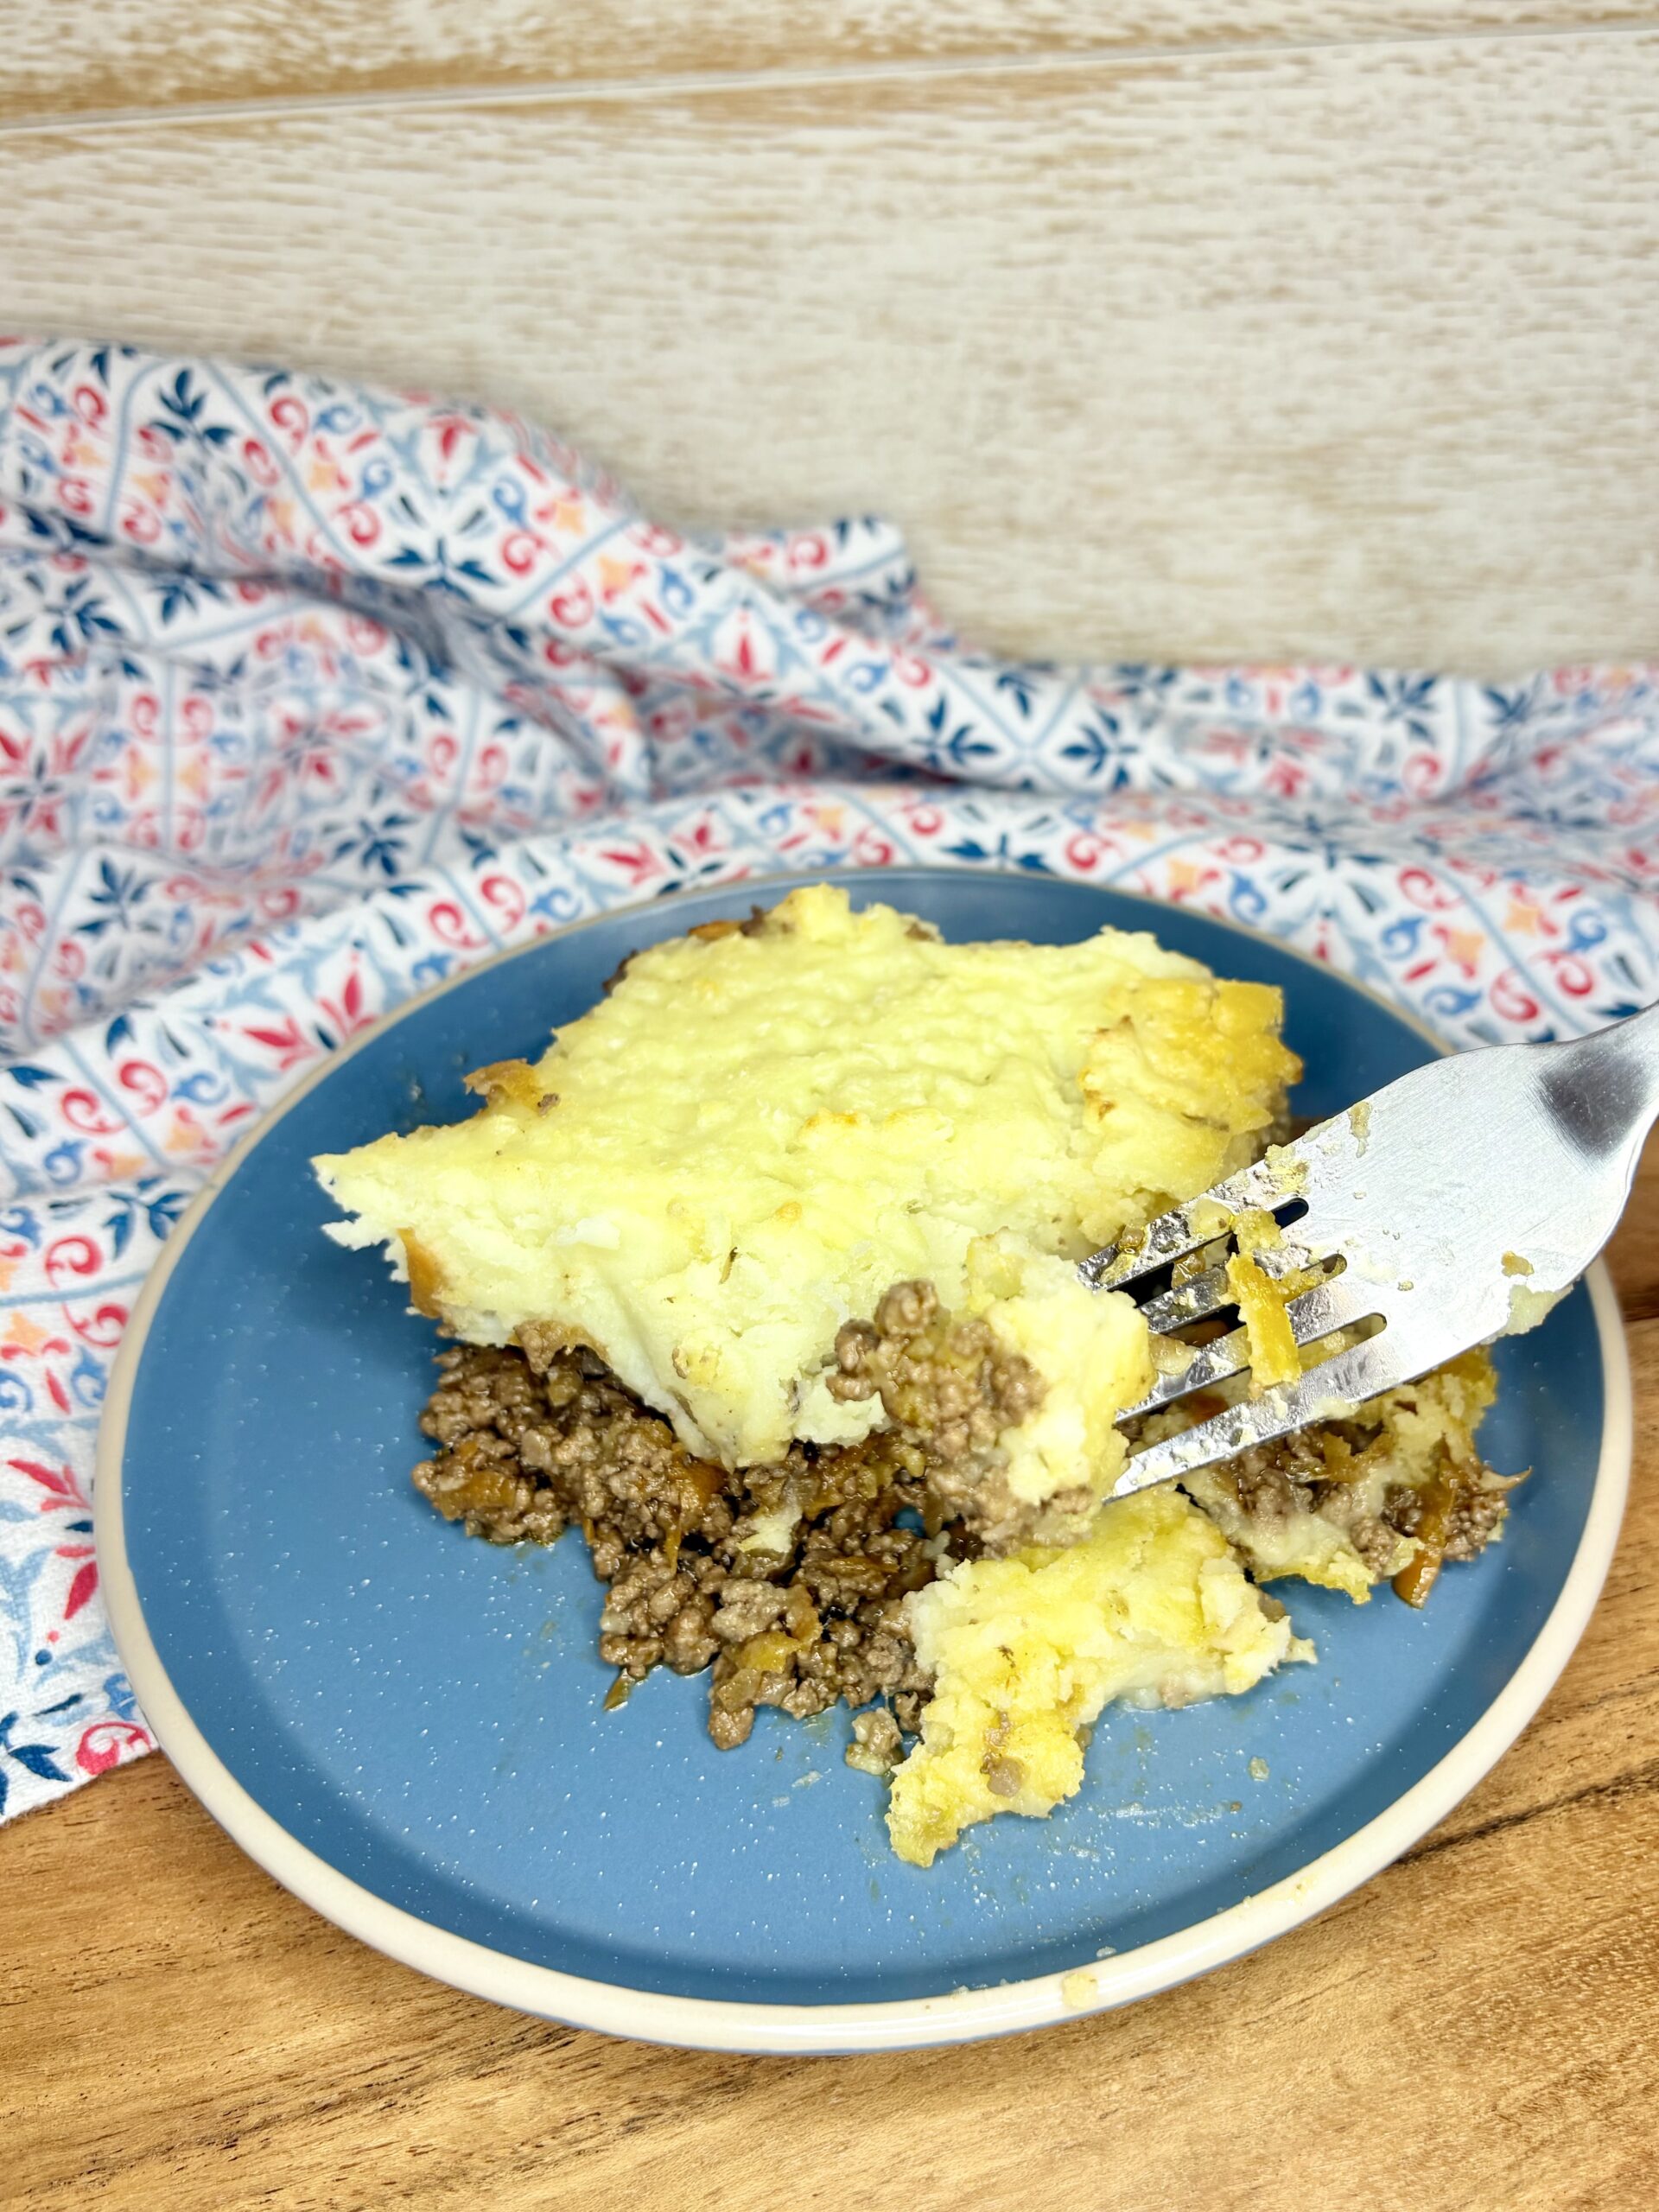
<point x="407" y="1727"/>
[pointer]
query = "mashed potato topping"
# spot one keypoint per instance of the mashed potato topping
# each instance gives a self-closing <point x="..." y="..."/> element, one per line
<point x="1151" y="1609"/>
<point x="762" y="1128"/>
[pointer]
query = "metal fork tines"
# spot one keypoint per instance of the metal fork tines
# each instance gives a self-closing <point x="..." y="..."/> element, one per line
<point x="1457" y="1203"/>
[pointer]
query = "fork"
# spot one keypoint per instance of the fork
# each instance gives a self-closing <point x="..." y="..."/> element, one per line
<point x="1451" y="1207"/>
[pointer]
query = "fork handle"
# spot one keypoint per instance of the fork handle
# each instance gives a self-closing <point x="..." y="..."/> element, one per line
<point x="1604" y="1087"/>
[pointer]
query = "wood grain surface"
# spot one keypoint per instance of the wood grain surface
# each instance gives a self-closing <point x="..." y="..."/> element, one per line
<point x="1479" y="2027"/>
<point x="1337" y="349"/>
<point x="77" y="57"/>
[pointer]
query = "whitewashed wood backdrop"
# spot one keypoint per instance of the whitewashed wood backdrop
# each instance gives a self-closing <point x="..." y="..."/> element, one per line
<point x="1190" y="328"/>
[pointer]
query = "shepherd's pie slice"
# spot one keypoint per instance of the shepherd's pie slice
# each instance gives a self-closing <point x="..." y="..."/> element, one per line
<point x="716" y="1178"/>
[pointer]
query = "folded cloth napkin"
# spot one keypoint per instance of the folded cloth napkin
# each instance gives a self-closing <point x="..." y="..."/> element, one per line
<point x="310" y="696"/>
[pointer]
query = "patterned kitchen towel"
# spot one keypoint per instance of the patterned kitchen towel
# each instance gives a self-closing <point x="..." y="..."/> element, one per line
<point x="311" y="696"/>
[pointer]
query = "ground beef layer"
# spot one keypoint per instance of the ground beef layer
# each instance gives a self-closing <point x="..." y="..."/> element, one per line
<point x="787" y="1582"/>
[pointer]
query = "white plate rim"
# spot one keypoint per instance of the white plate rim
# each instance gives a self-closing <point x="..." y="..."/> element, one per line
<point x="905" y="2024"/>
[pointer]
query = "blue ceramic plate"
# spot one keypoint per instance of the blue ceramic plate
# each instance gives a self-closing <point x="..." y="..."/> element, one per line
<point x="408" y="1727"/>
